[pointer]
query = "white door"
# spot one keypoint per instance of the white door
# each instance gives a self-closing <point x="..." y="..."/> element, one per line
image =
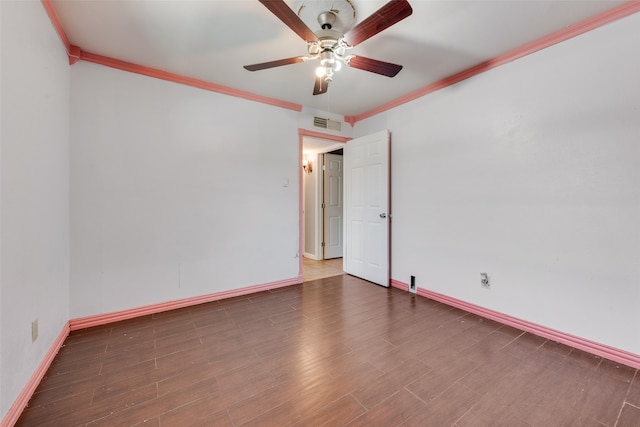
<point x="366" y="207"/>
<point x="332" y="203"/>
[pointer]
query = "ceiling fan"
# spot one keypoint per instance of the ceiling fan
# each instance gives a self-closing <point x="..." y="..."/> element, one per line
<point x="331" y="46"/>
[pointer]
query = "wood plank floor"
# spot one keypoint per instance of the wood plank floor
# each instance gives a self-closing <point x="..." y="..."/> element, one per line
<point x="336" y="351"/>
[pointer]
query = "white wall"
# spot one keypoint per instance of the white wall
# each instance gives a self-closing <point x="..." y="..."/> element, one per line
<point x="34" y="234"/>
<point x="176" y="192"/>
<point x="529" y="172"/>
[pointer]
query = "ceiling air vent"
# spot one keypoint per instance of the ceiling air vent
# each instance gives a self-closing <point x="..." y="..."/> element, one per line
<point x="321" y="122"/>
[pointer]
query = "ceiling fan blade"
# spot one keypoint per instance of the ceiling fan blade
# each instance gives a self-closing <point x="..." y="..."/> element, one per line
<point x="375" y="66"/>
<point x="289" y="17"/>
<point x="321" y="86"/>
<point x="272" y="64"/>
<point x="389" y="14"/>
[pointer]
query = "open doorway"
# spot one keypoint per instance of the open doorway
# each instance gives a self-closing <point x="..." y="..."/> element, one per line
<point x="366" y="212"/>
<point x="322" y="195"/>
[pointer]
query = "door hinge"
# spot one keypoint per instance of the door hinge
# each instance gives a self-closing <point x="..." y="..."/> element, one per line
<point x="323" y="244"/>
<point x="322" y="205"/>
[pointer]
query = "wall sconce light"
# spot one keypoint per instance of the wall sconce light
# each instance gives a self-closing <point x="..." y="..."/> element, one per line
<point x="307" y="166"/>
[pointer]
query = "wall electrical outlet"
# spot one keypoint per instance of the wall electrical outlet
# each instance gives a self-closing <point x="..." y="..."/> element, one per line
<point x="484" y="281"/>
<point x="412" y="285"/>
<point x="34" y="330"/>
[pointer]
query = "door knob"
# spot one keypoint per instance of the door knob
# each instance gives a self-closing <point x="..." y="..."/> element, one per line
<point x="383" y="215"/>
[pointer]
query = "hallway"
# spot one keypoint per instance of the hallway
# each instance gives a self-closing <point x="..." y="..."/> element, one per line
<point x="313" y="270"/>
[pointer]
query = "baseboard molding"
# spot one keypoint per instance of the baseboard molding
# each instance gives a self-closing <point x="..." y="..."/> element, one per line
<point x="103" y="319"/>
<point x="602" y="350"/>
<point x="11" y="417"/>
<point x="23" y="398"/>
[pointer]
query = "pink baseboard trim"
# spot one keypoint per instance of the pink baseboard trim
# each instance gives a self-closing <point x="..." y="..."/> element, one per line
<point x="602" y="350"/>
<point x="22" y="401"/>
<point x="103" y="319"/>
<point x="587" y="25"/>
<point x="399" y="285"/>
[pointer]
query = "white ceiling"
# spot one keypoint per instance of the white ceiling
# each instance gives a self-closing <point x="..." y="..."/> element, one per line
<point x="212" y="40"/>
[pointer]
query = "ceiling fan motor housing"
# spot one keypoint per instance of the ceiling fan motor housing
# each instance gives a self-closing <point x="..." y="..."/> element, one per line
<point x="326" y="20"/>
<point x="327" y="40"/>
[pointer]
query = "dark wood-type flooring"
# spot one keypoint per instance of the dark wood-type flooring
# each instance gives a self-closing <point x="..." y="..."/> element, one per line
<point x="336" y="351"/>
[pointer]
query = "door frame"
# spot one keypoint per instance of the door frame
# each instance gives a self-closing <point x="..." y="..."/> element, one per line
<point x="302" y="133"/>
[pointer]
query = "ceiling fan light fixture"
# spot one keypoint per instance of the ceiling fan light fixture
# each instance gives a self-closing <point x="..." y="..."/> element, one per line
<point x="328" y="77"/>
<point x="326" y="58"/>
<point x="336" y="36"/>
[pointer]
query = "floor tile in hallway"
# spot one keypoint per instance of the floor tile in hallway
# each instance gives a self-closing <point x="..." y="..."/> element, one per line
<point x="313" y="270"/>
